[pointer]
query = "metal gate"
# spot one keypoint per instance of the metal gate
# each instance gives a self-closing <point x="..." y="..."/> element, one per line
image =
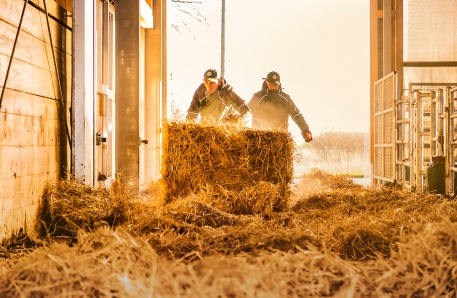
<point x="384" y="129"/>
<point x="422" y="123"/>
<point x="451" y="152"/>
<point x="424" y="138"/>
<point x="415" y="136"/>
<point x="403" y="144"/>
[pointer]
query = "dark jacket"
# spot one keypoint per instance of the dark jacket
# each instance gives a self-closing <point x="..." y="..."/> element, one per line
<point x="212" y="106"/>
<point x="272" y="109"/>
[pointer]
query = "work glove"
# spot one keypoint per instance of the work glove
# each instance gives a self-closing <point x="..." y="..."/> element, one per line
<point x="245" y="120"/>
<point x="307" y="135"/>
<point x="191" y="117"/>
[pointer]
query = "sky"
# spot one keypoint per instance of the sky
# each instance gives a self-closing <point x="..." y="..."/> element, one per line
<point x="320" y="48"/>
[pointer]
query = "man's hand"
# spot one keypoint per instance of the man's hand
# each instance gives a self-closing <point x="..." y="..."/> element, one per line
<point x="307" y="135"/>
<point x="245" y="120"/>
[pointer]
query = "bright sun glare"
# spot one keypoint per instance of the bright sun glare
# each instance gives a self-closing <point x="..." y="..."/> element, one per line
<point x="320" y="48"/>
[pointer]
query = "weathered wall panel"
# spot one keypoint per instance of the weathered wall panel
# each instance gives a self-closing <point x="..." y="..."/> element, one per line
<point x="23" y="161"/>
<point x="65" y="4"/>
<point x="33" y="141"/>
<point x="11" y="14"/>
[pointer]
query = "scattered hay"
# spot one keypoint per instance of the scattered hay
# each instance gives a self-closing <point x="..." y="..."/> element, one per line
<point x="107" y="263"/>
<point x="343" y="242"/>
<point x="155" y="190"/>
<point x="424" y="265"/>
<point x="17" y="246"/>
<point x="85" y="270"/>
<point x="263" y="199"/>
<point x="364" y="224"/>
<point x="366" y="239"/>
<point x="251" y="237"/>
<point x="307" y="273"/>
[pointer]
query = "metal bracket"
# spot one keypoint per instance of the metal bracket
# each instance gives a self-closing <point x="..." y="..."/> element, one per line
<point x="101" y="177"/>
<point x="99" y="139"/>
<point x="142" y="142"/>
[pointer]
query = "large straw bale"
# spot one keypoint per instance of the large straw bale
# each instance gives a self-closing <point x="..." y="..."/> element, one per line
<point x="231" y="157"/>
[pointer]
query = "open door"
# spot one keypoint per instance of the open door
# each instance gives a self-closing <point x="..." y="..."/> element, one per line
<point x="104" y="103"/>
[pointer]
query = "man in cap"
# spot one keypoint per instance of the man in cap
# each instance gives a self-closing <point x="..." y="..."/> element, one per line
<point x="271" y="108"/>
<point x="215" y="100"/>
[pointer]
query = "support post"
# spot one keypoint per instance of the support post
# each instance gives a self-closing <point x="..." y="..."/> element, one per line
<point x="82" y="111"/>
<point x="128" y="92"/>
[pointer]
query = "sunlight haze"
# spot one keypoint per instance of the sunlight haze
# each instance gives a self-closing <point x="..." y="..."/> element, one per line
<point x="319" y="47"/>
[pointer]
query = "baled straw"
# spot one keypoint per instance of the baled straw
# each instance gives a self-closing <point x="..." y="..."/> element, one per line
<point x="231" y="157"/>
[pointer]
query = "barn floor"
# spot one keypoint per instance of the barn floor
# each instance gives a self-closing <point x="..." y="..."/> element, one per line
<point x="337" y="239"/>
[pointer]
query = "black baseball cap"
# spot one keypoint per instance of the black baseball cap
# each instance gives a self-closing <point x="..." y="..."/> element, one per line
<point x="211" y="75"/>
<point x="273" y="78"/>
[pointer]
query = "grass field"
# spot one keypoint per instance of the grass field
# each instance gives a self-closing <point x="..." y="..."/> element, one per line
<point x="334" y="153"/>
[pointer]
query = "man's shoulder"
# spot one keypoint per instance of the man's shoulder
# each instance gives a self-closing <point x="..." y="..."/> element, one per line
<point x="259" y="93"/>
<point x="200" y="89"/>
<point x="226" y="88"/>
<point x="256" y="96"/>
<point x="285" y="95"/>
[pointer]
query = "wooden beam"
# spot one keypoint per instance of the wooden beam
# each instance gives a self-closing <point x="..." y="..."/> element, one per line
<point x="374" y="19"/>
<point x="398" y="51"/>
<point x="387" y="38"/>
<point x="430" y="63"/>
<point x="155" y="84"/>
<point x="83" y="92"/>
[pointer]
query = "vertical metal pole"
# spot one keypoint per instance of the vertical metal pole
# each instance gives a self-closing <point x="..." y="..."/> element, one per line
<point x="128" y="92"/>
<point x="447" y="142"/>
<point x="452" y="116"/>
<point x="414" y="141"/>
<point x="387" y="37"/>
<point x="223" y="40"/>
<point x="63" y="113"/>
<point x="419" y="143"/>
<point x="433" y="123"/>
<point x="441" y="122"/>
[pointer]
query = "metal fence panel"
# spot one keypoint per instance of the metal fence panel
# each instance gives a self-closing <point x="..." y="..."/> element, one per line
<point x="384" y="129"/>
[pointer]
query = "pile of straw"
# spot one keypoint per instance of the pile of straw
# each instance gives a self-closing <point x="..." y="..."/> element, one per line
<point x="343" y="241"/>
<point x="69" y="206"/>
<point x="112" y="263"/>
<point x="262" y="199"/>
<point x="233" y="158"/>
